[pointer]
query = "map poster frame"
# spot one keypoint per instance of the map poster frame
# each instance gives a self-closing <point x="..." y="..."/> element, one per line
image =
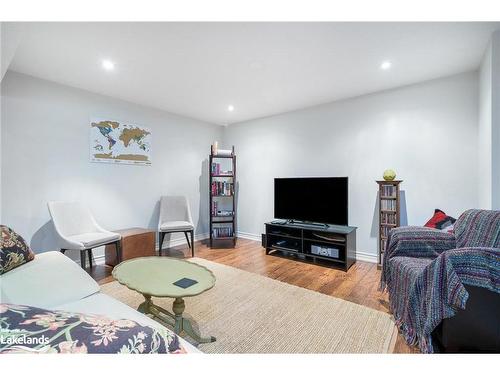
<point x="119" y="142"/>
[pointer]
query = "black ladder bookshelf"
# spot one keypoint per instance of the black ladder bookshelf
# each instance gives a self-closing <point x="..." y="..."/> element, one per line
<point x="222" y="190"/>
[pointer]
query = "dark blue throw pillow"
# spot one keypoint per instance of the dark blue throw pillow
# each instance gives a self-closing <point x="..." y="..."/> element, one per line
<point x="14" y="251"/>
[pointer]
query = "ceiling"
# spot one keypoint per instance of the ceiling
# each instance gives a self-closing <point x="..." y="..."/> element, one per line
<point x="199" y="69"/>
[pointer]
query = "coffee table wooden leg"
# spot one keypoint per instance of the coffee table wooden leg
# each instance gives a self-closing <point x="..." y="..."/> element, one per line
<point x="182" y="324"/>
<point x="157" y="313"/>
<point x="178" y="308"/>
<point x="145" y="306"/>
<point x="188" y="328"/>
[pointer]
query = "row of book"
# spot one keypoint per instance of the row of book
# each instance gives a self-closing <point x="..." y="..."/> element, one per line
<point x="388" y="204"/>
<point x="222" y="213"/>
<point x="216" y="170"/>
<point x="383" y="244"/>
<point x="222" y="232"/>
<point x="387" y="218"/>
<point x="384" y="231"/>
<point x="222" y="188"/>
<point x="388" y="190"/>
<point x="213" y="209"/>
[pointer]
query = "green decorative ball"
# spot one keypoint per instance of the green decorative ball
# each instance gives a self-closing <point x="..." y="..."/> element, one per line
<point x="389" y="175"/>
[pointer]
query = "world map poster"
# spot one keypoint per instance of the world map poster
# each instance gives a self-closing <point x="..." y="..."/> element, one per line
<point x="117" y="142"/>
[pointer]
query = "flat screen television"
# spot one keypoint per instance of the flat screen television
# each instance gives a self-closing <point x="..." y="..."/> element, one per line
<point x="312" y="199"/>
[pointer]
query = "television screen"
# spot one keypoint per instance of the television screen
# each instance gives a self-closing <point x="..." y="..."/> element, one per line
<point x="314" y="199"/>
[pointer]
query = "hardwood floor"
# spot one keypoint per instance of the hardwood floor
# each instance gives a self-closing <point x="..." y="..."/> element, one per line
<point x="358" y="285"/>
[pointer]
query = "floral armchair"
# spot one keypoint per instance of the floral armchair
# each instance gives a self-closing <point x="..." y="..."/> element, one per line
<point x="431" y="275"/>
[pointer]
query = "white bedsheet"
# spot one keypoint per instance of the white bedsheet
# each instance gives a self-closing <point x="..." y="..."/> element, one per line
<point x="102" y="304"/>
<point x="49" y="280"/>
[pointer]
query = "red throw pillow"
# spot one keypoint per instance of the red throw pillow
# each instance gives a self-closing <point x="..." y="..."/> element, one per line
<point x="440" y="220"/>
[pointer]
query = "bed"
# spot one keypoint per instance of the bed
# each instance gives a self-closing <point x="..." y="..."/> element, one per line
<point x="53" y="281"/>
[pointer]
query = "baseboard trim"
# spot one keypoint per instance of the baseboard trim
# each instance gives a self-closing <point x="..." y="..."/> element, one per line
<point x="249" y="236"/>
<point x="181" y="241"/>
<point x="366" y="257"/>
<point x="100" y="259"/>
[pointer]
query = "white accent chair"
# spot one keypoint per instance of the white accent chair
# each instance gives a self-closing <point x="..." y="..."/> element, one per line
<point x="77" y="230"/>
<point x="175" y="217"/>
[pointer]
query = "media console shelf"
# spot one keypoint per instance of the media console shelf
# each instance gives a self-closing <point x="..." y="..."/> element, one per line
<point x="334" y="243"/>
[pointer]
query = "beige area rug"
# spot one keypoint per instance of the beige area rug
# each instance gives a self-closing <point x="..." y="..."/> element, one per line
<point x="249" y="313"/>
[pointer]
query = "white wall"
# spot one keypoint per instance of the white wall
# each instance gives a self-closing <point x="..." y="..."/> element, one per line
<point x="485" y="131"/>
<point x="45" y="156"/>
<point x="489" y="126"/>
<point x="1" y="77"/>
<point x="426" y="132"/>
<point x="495" y="168"/>
<point x="10" y="36"/>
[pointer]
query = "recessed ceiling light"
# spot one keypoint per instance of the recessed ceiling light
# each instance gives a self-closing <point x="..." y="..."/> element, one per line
<point x="230" y="108"/>
<point x="386" y="65"/>
<point x="108" y="64"/>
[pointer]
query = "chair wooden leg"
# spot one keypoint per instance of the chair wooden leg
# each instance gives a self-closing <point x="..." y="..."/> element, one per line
<point x="119" y="255"/>
<point x="89" y="253"/>
<point x="82" y="259"/>
<point x="192" y="243"/>
<point x="161" y="236"/>
<point x="187" y="239"/>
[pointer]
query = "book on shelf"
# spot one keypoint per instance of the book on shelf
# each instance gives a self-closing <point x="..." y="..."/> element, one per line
<point x="384" y="231"/>
<point x="222" y="188"/>
<point x="216" y="170"/>
<point x="383" y="244"/>
<point x="388" y="218"/>
<point x="390" y="205"/>
<point x="224" y="213"/>
<point x="388" y="191"/>
<point x="222" y="232"/>
<point x="215" y="212"/>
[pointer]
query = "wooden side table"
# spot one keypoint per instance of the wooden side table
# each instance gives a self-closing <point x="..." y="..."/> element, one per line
<point x="135" y="242"/>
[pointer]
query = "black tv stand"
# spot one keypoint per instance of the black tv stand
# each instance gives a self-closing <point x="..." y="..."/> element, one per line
<point x="333" y="243"/>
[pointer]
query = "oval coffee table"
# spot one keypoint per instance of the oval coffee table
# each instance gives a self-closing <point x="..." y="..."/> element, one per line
<point x="154" y="277"/>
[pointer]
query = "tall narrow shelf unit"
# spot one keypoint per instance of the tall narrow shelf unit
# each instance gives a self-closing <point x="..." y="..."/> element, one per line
<point x="222" y="194"/>
<point x="389" y="213"/>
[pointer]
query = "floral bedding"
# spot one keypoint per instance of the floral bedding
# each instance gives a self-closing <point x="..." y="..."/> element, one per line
<point x="31" y="329"/>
